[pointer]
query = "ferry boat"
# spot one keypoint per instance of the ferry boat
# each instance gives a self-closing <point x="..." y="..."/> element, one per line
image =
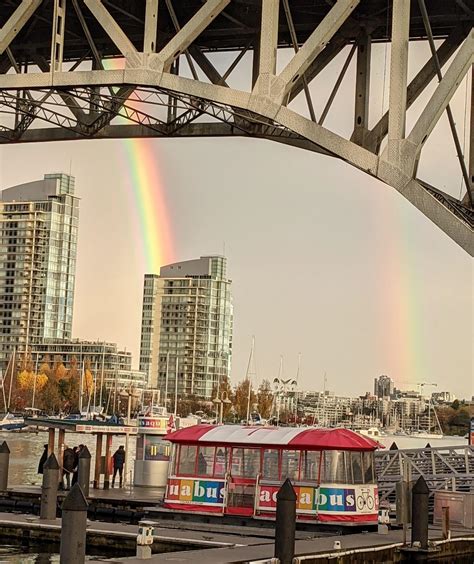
<point x="11" y="422"/>
<point x="238" y="470"/>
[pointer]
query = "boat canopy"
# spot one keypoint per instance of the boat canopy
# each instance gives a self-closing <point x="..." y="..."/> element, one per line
<point x="298" y="438"/>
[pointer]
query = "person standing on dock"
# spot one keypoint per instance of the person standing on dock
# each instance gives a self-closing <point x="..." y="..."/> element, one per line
<point x="43" y="459"/>
<point x="77" y="452"/>
<point x="119" y="461"/>
<point x="69" y="463"/>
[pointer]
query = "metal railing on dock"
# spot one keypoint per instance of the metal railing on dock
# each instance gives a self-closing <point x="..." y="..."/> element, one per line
<point x="443" y="468"/>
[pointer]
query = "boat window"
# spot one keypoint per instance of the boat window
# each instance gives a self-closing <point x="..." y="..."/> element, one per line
<point x="187" y="460"/>
<point x="156" y="448"/>
<point x="205" y="460"/>
<point x="348" y="461"/>
<point x="222" y="461"/>
<point x="245" y="462"/>
<point x="270" y="464"/>
<point x="310" y="466"/>
<point x="368" y="461"/>
<point x="333" y="467"/>
<point x="357" y="472"/>
<point x="290" y="461"/>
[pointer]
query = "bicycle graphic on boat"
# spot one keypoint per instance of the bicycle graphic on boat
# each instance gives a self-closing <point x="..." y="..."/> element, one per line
<point x="365" y="500"/>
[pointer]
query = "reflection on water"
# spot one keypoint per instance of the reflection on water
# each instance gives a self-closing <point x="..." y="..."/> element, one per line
<point x="37" y="555"/>
<point x="17" y="555"/>
<point x="26" y="450"/>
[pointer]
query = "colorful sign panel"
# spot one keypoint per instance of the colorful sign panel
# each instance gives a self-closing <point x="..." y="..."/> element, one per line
<point x="326" y="499"/>
<point x="471" y="432"/>
<point x="190" y="490"/>
<point x="153" y="422"/>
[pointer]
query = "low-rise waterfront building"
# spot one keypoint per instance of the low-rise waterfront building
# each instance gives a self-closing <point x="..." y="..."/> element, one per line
<point x="112" y="366"/>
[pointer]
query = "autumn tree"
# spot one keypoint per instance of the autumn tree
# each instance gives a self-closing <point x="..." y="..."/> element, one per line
<point x="74" y="379"/>
<point x="241" y="399"/>
<point x="45" y="367"/>
<point x="59" y="370"/>
<point x="264" y="399"/>
<point x="88" y="382"/>
<point x="51" y="400"/>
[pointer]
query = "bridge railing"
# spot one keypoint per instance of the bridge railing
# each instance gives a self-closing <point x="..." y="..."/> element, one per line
<point x="443" y="468"/>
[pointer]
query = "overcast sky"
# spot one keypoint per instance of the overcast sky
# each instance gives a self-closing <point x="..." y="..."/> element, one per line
<point x="325" y="261"/>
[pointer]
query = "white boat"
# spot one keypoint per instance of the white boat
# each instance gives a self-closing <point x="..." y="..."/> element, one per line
<point x="372" y="432"/>
<point x="427" y="435"/>
<point x="11" y="422"/>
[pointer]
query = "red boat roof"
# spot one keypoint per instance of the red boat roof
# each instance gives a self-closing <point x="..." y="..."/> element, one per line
<point x="301" y="438"/>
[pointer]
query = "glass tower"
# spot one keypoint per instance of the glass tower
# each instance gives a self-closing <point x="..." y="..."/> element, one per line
<point x="38" y="248"/>
<point x="187" y="327"/>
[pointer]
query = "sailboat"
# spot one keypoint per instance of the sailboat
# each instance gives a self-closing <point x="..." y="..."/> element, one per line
<point x="428" y="434"/>
<point x="9" y="421"/>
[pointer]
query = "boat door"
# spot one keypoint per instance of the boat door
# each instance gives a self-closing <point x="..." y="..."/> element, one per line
<point x="242" y="481"/>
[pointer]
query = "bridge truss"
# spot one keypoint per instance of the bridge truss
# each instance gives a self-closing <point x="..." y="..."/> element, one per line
<point x="58" y="80"/>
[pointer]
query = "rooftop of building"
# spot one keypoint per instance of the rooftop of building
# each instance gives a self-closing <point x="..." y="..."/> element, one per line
<point x="52" y="185"/>
<point x="50" y="342"/>
<point x="214" y="266"/>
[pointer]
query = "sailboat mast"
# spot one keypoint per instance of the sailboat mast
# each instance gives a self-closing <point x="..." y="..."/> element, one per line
<point x="176" y="389"/>
<point x="324" y="401"/>
<point x="247" y="377"/>
<point x="81" y="386"/>
<point x="297" y="381"/>
<point x="12" y="373"/>
<point x="166" y="380"/>
<point x="34" y="382"/>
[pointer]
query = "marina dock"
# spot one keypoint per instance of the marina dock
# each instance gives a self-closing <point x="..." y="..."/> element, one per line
<point x="359" y="548"/>
<point x="233" y="545"/>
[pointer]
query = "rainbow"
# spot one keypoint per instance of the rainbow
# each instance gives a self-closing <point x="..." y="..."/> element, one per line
<point x="147" y="197"/>
<point x="149" y="203"/>
<point x="405" y="353"/>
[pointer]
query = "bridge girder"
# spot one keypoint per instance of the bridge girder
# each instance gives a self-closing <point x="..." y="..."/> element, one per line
<point x="60" y="88"/>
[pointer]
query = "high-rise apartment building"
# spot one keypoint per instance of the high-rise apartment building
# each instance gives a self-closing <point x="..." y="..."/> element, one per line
<point x="187" y="327"/>
<point x="383" y="387"/>
<point x="38" y="247"/>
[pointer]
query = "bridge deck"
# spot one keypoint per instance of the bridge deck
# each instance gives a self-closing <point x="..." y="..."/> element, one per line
<point x="233" y="29"/>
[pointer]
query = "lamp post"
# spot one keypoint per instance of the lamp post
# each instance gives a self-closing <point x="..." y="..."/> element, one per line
<point x="224" y="399"/>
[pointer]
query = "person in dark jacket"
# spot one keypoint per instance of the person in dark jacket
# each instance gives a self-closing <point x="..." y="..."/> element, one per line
<point x="119" y="461"/>
<point x="68" y="465"/>
<point x="75" y="468"/>
<point x="43" y="459"/>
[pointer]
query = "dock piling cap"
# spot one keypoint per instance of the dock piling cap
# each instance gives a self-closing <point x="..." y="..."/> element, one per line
<point x="75" y="500"/>
<point x="4" y="448"/>
<point x="286" y="492"/>
<point x="51" y="463"/>
<point x="421" y="487"/>
<point x="84" y="452"/>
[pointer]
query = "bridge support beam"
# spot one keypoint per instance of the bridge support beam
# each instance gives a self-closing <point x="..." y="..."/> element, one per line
<point x="398" y="80"/>
<point x="15" y="23"/>
<point x="361" y="114"/>
<point x="151" y="25"/>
